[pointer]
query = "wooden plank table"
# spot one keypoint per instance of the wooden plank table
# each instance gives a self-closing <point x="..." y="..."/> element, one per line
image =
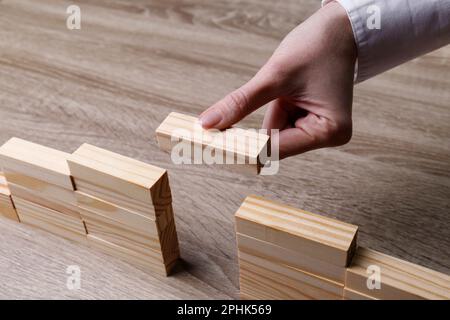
<point x="133" y="62"/>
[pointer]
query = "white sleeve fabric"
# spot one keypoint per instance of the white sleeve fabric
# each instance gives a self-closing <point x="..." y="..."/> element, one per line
<point x="407" y="29"/>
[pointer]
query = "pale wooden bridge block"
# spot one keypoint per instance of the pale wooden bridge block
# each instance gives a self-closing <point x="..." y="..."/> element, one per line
<point x="243" y="147"/>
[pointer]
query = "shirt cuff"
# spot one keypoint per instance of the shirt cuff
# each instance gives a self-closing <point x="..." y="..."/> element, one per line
<point x="388" y="33"/>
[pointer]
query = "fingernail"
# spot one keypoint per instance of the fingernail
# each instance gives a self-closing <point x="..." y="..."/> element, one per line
<point x="210" y="119"/>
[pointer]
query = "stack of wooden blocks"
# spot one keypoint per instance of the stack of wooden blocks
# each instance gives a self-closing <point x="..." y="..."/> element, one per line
<point x="126" y="206"/>
<point x="108" y="201"/>
<point x="7" y="208"/>
<point x="42" y="189"/>
<point x="287" y="253"/>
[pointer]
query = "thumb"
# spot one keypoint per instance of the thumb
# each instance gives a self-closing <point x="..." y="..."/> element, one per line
<point x="241" y="102"/>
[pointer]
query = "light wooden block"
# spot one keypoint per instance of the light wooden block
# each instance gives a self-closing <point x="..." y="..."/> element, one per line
<point x="312" y="235"/>
<point x="7" y="208"/>
<point x="244" y="146"/>
<point x="399" y="279"/>
<point x="36" y="161"/>
<point x="118" y="179"/>
<point x="51" y="221"/>
<point x="296" y="259"/>
<point x="354" y="295"/>
<point x="121" y="234"/>
<point x="45" y="201"/>
<point x="41" y="188"/>
<point x="143" y="261"/>
<point x="265" y="279"/>
<point x="148" y="240"/>
<point x="111" y="212"/>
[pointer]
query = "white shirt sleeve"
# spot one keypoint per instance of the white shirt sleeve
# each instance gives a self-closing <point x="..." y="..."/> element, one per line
<point x="391" y="32"/>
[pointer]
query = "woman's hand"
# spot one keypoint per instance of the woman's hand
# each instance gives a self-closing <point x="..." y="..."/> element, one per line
<point x="308" y="82"/>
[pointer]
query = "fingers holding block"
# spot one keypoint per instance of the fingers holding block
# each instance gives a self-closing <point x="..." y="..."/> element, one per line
<point x="188" y="142"/>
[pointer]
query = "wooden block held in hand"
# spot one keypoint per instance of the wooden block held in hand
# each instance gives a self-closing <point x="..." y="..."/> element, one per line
<point x="36" y="161"/>
<point x="399" y="279"/>
<point x="313" y="235"/>
<point x="244" y="147"/>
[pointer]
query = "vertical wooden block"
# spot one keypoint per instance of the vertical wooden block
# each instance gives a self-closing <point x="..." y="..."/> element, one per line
<point x="244" y="147"/>
<point x="399" y="279"/>
<point x="7" y="208"/>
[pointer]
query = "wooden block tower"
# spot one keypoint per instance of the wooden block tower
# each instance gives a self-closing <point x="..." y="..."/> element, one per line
<point x="286" y="253"/>
<point x="42" y="189"/>
<point x="127" y="207"/>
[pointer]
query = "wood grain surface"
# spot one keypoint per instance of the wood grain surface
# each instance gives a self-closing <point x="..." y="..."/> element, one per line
<point x="133" y="62"/>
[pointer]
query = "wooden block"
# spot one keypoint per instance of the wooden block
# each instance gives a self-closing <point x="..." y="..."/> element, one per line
<point x="111" y="174"/>
<point x="143" y="261"/>
<point x="36" y="161"/>
<point x="42" y="188"/>
<point x="147" y="239"/>
<point x="120" y="234"/>
<point x="399" y="279"/>
<point x="48" y="216"/>
<point x="277" y="254"/>
<point x="125" y="182"/>
<point x="354" y="295"/>
<point x="110" y="213"/>
<point x="7" y="208"/>
<point x="143" y="208"/>
<point x="312" y="235"/>
<point x="45" y="201"/>
<point x="51" y="221"/>
<point x="245" y="146"/>
<point x="264" y="279"/>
